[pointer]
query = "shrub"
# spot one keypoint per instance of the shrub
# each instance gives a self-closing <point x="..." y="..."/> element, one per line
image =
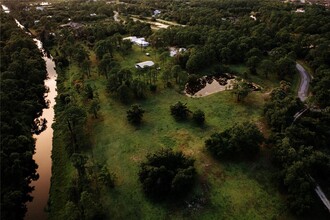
<point x="179" y="111"/>
<point x="135" y="114"/>
<point x="199" y="117"/>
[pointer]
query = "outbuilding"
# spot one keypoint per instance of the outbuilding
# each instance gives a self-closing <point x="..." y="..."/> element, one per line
<point x="144" y="64"/>
<point x="138" y="41"/>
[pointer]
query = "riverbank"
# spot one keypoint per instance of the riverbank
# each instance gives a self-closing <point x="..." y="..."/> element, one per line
<point x="44" y="144"/>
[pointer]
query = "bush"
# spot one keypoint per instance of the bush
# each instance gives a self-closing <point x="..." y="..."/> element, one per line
<point x="199" y="117"/>
<point x="106" y="177"/>
<point x="153" y="88"/>
<point x="135" y="114"/>
<point x="179" y="111"/>
<point x="239" y="141"/>
<point x="167" y="173"/>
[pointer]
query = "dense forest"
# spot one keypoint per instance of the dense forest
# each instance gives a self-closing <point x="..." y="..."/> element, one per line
<point x="113" y="120"/>
<point x="23" y="72"/>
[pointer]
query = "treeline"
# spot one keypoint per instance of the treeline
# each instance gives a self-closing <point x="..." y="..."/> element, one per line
<point x="216" y="32"/>
<point x="46" y="23"/>
<point x="23" y="72"/>
<point x="74" y="169"/>
<point x="267" y="45"/>
<point x="300" y="149"/>
<point x="75" y="104"/>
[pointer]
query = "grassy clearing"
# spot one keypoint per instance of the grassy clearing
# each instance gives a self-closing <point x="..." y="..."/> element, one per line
<point x="231" y="189"/>
<point x="137" y="55"/>
<point x="228" y="190"/>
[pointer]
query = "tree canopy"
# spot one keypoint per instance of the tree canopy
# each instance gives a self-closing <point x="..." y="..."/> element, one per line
<point x="167" y="173"/>
<point x="239" y="141"/>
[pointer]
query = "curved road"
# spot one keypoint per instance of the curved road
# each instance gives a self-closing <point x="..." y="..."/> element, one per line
<point x="304" y="82"/>
<point x="305" y="79"/>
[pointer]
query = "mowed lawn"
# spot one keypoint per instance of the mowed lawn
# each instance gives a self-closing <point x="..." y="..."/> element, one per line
<point x="227" y="190"/>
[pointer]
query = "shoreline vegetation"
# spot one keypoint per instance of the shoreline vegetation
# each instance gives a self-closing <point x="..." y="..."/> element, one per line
<point x="23" y="72"/>
<point x="98" y="151"/>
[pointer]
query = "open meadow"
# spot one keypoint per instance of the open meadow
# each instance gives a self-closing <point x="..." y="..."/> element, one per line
<point x="222" y="189"/>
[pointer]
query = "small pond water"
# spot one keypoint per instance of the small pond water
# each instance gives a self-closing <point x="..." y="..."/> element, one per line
<point x="208" y="85"/>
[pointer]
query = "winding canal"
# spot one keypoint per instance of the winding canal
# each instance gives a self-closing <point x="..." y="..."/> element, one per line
<point x="43" y="150"/>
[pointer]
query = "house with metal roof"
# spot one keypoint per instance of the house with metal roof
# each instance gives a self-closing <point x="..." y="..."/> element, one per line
<point x="144" y="64"/>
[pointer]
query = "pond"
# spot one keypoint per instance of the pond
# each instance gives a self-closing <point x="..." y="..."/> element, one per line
<point x="207" y="85"/>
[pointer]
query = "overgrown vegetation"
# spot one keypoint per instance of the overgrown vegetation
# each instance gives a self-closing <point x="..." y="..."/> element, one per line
<point x="298" y="147"/>
<point x="240" y="141"/>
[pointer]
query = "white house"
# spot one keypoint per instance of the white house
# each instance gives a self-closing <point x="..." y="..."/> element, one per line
<point x="156" y="12"/>
<point x="300" y="10"/>
<point x="144" y="64"/>
<point x="138" y="41"/>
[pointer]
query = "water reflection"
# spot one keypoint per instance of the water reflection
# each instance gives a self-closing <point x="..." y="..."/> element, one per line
<point x="43" y="150"/>
<point x="42" y="156"/>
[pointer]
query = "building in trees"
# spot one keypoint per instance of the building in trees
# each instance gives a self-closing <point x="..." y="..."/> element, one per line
<point x="144" y="64"/>
<point x="138" y="41"/>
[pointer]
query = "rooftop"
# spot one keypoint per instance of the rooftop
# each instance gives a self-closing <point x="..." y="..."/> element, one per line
<point x="144" y="64"/>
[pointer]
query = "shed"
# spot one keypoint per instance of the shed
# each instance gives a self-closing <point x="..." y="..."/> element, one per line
<point x="144" y="64"/>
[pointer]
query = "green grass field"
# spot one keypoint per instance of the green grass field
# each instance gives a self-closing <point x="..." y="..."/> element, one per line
<point x="223" y="190"/>
<point x="233" y="189"/>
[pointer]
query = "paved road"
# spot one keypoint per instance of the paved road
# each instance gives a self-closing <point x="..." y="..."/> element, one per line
<point x="304" y="82"/>
<point x="303" y="94"/>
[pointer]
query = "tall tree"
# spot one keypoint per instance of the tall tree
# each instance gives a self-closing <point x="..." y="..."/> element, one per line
<point x="75" y="117"/>
<point x="267" y="67"/>
<point x="240" y="89"/>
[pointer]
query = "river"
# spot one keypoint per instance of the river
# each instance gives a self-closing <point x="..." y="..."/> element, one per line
<point x="43" y="150"/>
